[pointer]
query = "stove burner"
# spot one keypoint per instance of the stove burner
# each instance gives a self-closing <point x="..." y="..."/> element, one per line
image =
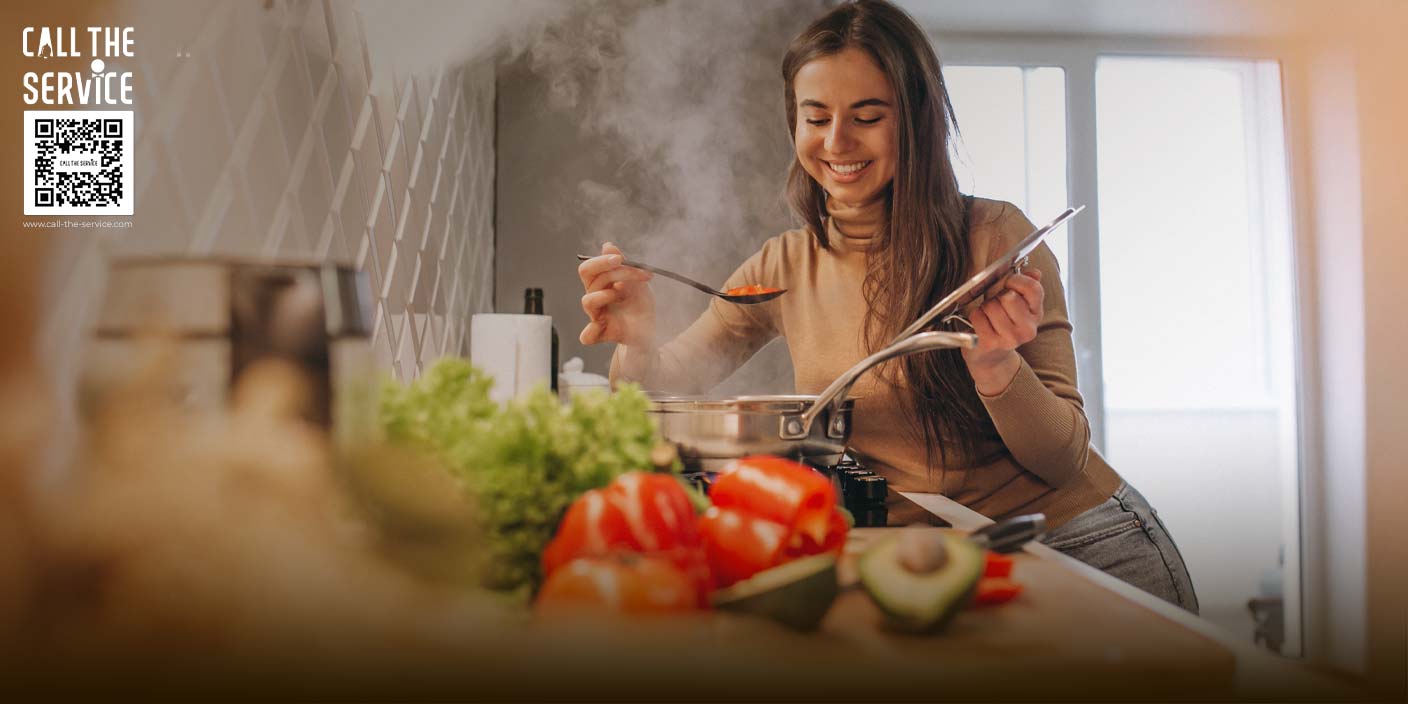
<point x="862" y="491"/>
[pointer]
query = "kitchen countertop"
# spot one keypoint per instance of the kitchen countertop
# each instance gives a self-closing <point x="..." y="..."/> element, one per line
<point x="1258" y="674"/>
<point x="1075" y="634"/>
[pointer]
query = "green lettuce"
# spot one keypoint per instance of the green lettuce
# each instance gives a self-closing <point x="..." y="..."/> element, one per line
<point x="524" y="463"/>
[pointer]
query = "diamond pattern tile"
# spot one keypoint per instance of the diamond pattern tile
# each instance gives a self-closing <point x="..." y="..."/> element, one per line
<point x="408" y="352"/>
<point x="291" y="93"/>
<point x="277" y="136"/>
<point x="331" y="246"/>
<point x="315" y="192"/>
<point x="201" y="141"/>
<point x="337" y="123"/>
<point x="435" y="337"/>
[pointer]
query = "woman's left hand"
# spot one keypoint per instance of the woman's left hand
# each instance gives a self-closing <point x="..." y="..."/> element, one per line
<point x="1004" y="323"/>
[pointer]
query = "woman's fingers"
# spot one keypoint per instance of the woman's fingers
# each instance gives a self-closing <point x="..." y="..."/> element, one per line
<point x="996" y="330"/>
<point x="982" y="326"/>
<point x="595" y="303"/>
<point x="1023" y="321"/>
<point x="997" y="316"/>
<point x="618" y="275"/>
<point x="609" y="265"/>
<point x="596" y="266"/>
<point x="1006" y="321"/>
<point x="611" y="257"/>
<point x="617" y="300"/>
<point x="602" y="330"/>
<point x="1028" y="286"/>
<point x="591" y="334"/>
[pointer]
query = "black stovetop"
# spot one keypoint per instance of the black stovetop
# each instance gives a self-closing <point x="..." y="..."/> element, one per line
<point x="863" y="492"/>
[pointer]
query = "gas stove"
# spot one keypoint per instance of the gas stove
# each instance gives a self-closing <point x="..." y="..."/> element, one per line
<point x="861" y="491"/>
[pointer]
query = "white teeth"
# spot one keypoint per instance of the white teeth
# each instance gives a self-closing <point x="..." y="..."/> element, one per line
<point x="848" y="168"/>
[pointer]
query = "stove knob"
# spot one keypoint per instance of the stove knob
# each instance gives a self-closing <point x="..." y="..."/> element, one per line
<point x="867" y="489"/>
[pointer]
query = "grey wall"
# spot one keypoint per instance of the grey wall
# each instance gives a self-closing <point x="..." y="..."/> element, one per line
<point x="657" y="126"/>
<point x="269" y="130"/>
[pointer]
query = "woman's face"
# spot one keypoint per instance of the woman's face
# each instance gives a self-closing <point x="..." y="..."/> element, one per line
<point x="846" y="133"/>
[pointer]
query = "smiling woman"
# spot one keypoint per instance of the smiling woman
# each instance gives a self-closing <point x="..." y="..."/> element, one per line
<point x="885" y="234"/>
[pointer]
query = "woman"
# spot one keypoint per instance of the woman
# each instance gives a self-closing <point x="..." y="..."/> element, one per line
<point x="1000" y="428"/>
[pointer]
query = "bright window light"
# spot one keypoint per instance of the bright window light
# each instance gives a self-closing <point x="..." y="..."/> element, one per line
<point x="1012" y="139"/>
<point x="1197" y="315"/>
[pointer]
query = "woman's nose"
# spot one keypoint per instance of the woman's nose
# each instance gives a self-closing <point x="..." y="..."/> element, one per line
<point x="838" y="138"/>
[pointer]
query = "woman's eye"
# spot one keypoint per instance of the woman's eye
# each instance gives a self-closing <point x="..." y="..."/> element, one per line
<point x="818" y="120"/>
<point x="870" y="121"/>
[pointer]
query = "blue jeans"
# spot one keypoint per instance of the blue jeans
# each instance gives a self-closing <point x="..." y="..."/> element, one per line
<point x="1124" y="538"/>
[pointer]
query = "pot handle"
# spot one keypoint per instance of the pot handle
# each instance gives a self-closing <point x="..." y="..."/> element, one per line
<point x="798" y="427"/>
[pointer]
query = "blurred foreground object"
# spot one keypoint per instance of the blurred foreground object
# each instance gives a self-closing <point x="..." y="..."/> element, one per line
<point x="220" y="316"/>
<point x="225" y="531"/>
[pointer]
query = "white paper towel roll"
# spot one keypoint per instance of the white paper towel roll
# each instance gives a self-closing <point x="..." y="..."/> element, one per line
<point x="516" y="350"/>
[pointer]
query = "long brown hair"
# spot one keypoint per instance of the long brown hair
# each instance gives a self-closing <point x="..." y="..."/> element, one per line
<point x="921" y="251"/>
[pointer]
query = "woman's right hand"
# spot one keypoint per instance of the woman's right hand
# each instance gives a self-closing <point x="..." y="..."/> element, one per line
<point x="618" y="301"/>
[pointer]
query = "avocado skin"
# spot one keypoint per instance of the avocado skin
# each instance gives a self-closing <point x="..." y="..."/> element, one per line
<point x="953" y="586"/>
<point x="799" y="602"/>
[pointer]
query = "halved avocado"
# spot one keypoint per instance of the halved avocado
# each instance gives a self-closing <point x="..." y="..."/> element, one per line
<point x="797" y="594"/>
<point x="923" y="601"/>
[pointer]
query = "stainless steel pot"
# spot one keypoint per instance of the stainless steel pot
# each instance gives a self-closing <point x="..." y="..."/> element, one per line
<point x="816" y="429"/>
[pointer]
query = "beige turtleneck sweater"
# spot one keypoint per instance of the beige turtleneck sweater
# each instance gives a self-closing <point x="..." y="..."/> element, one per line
<point x="1044" y="461"/>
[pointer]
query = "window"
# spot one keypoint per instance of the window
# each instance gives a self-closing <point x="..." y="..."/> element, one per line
<point x="1196" y="317"/>
<point x="1016" y="119"/>
<point x="1182" y="269"/>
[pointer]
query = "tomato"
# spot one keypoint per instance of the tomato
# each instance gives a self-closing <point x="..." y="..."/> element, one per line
<point x="997" y="565"/>
<point x="639" y="512"/>
<point x="779" y="490"/>
<point x="738" y="544"/>
<point x="996" y="590"/>
<point x="622" y="583"/>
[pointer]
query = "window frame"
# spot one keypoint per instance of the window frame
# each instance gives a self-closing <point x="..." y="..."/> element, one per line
<point x="1308" y="636"/>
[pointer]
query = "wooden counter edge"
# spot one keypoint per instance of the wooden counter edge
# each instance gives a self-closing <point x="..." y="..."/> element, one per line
<point x="1258" y="673"/>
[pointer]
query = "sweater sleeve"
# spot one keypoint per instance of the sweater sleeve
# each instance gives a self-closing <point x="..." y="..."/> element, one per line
<point x="1041" y="415"/>
<point x="717" y="343"/>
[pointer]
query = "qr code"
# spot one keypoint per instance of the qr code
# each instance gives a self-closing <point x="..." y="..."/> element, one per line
<point x="78" y="162"/>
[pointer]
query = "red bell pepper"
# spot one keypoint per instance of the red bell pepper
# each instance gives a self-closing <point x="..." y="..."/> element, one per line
<point x="657" y="511"/>
<point x="997" y="565"/>
<point x="779" y="490"/>
<point x="623" y="583"/>
<point x="768" y="510"/>
<point x="738" y="544"/>
<point x="996" y="590"/>
<point x="594" y="525"/>
<point x="834" y="542"/>
<point x="639" y="512"/>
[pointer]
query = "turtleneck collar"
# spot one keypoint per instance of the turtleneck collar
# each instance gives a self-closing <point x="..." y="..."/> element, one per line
<point x="854" y="226"/>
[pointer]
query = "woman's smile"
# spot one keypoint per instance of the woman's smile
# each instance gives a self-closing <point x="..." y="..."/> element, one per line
<point x="847" y="171"/>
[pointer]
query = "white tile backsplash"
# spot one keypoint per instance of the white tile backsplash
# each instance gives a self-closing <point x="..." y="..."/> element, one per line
<point x="248" y="145"/>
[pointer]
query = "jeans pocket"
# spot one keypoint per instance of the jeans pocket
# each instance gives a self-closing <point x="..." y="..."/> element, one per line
<point x="1177" y="567"/>
<point x="1094" y="531"/>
